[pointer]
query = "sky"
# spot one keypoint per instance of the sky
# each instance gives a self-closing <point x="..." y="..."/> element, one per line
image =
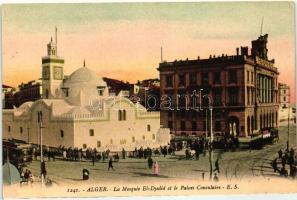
<point x="123" y="40"/>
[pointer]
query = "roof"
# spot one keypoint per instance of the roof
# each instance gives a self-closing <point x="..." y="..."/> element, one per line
<point x="6" y="86"/>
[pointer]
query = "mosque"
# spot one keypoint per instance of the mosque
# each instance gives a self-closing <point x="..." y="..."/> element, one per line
<point x="78" y="111"/>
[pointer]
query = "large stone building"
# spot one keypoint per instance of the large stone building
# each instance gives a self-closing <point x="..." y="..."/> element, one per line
<point x="243" y="89"/>
<point x="77" y="111"/>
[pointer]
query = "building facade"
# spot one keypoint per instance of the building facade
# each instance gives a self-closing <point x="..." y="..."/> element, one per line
<point x="77" y="111"/>
<point x="242" y="89"/>
<point x="284" y="95"/>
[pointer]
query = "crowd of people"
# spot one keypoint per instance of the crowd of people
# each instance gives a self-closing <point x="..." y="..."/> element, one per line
<point x="286" y="158"/>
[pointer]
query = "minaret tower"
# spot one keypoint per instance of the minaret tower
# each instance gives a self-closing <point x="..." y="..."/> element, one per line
<point x="52" y="71"/>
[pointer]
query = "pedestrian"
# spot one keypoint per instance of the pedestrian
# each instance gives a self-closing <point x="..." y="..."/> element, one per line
<point x="217" y="166"/>
<point x="43" y="170"/>
<point x="156" y="168"/>
<point x="123" y="153"/>
<point x="280" y="154"/>
<point x="93" y="158"/>
<point x="110" y="164"/>
<point x="215" y="178"/>
<point x="274" y="164"/>
<point x="86" y="174"/>
<point x="150" y="162"/>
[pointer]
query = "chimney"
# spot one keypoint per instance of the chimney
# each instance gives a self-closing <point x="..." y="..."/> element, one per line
<point x="244" y="51"/>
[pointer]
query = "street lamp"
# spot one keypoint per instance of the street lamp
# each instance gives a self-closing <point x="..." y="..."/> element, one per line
<point x="210" y="107"/>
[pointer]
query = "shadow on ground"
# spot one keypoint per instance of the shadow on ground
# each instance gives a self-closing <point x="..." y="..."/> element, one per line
<point x="149" y="175"/>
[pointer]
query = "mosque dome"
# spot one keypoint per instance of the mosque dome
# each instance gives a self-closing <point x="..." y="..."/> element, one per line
<point x="84" y="86"/>
<point x="84" y="75"/>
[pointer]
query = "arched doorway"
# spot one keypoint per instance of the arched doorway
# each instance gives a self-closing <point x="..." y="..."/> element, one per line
<point x="233" y="126"/>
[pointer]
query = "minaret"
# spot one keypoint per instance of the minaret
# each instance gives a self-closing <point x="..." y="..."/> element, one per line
<point x="52" y="71"/>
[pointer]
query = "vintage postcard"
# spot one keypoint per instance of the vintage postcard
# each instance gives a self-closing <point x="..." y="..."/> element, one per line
<point x="141" y="99"/>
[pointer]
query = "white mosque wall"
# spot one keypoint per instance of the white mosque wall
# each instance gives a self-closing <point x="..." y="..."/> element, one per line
<point x="111" y="133"/>
<point x="139" y="128"/>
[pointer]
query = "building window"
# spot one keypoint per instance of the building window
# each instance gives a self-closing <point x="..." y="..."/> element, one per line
<point x="148" y="127"/>
<point x="169" y="81"/>
<point x="120" y="115"/>
<point x="84" y="146"/>
<point x="124" y="115"/>
<point x="61" y="133"/>
<point x="65" y="91"/>
<point x="284" y="98"/>
<point x="100" y="90"/>
<point x="204" y="78"/>
<point x="153" y="136"/>
<point x="9" y="128"/>
<point x="233" y="93"/>
<point x="182" y="125"/>
<point x="21" y="129"/>
<point x="217" y="126"/>
<point x="143" y="137"/>
<point x="193" y="79"/>
<point x="46" y="93"/>
<point x="233" y="76"/>
<point x="182" y="99"/>
<point x="133" y="139"/>
<point x="284" y="91"/>
<point x="248" y="76"/>
<point x="182" y="80"/>
<point x="91" y="132"/>
<point x="98" y="143"/>
<point x="194" y="126"/>
<point x="217" y="97"/>
<point x="170" y="124"/>
<point x="123" y="141"/>
<point x="252" y="77"/>
<point x="217" y="77"/>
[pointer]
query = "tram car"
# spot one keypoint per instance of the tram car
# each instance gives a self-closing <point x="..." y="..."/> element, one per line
<point x="17" y="153"/>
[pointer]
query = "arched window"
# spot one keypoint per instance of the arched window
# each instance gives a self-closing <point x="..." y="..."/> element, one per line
<point x="154" y="136"/>
<point x="120" y="115"/>
<point x="46" y="93"/>
<point x="148" y="127"/>
<point x="124" y="115"/>
<point x="61" y="133"/>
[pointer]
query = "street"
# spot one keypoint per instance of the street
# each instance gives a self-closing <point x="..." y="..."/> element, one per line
<point x="237" y="165"/>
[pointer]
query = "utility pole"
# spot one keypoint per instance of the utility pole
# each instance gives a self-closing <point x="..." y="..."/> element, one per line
<point x="288" y="142"/>
<point x="211" y="143"/>
<point x="211" y="138"/>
